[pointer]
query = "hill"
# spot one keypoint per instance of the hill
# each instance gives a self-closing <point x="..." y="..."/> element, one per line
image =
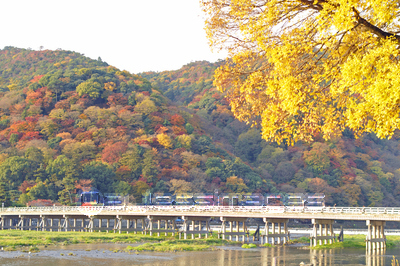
<point x="351" y="172"/>
<point x="68" y="122"/>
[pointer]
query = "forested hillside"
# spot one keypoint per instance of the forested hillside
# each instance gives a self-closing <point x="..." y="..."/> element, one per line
<point x="68" y="122"/>
<point x="351" y="172"/>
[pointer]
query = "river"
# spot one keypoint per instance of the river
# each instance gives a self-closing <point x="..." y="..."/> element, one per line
<point x="105" y="254"/>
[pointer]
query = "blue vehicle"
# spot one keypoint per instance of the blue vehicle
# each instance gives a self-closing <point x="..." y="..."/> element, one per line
<point x="91" y="198"/>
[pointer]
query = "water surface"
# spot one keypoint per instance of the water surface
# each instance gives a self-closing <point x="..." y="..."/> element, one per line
<point x="104" y="254"/>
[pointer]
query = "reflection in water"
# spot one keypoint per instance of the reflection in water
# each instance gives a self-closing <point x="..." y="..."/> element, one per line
<point x="231" y="256"/>
<point x="375" y="258"/>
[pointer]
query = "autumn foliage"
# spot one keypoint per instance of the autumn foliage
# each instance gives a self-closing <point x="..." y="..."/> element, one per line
<point x="119" y="133"/>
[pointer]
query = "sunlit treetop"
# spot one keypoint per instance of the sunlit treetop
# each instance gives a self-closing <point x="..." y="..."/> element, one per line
<point x="301" y="68"/>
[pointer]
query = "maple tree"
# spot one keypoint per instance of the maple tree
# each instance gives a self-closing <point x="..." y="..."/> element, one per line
<point x="301" y="68"/>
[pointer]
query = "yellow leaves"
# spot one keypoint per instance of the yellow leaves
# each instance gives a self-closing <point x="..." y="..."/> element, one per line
<point x="57" y="113"/>
<point x="373" y="78"/>
<point x="165" y="140"/>
<point x="146" y="107"/>
<point x="184" y="141"/>
<point x="110" y="86"/>
<point x="305" y="68"/>
<point x="13" y="86"/>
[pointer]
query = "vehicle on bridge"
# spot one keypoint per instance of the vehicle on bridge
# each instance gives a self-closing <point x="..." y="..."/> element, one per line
<point x="96" y="198"/>
<point x="295" y="200"/>
<point x="91" y="198"/>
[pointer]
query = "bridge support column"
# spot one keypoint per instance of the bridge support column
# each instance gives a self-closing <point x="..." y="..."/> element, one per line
<point x="42" y="223"/>
<point x="151" y="226"/>
<point x="223" y="229"/>
<point x="134" y="221"/>
<point x="158" y="227"/>
<point x="376" y="238"/>
<point x="66" y="223"/>
<point x="207" y="227"/>
<point x="166" y="227"/>
<point x="21" y="223"/>
<point x="173" y="227"/>
<point x="325" y="235"/>
<point x="119" y="225"/>
<point x="195" y="229"/>
<point x="276" y="234"/>
<point x="128" y="225"/>
<point x="234" y="234"/>
<point x="91" y="224"/>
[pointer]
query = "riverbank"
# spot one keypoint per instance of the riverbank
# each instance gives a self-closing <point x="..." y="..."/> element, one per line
<point x="358" y="241"/>
<point x="35" y="241"/>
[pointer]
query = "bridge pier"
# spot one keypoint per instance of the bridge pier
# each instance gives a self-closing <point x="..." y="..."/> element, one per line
<point x="66" y="224"/>
<point x="239" y="234"/>
<point x="376" y="238"/>
<point x="135" y="223"/>
<point x="169" y="222"/>
<point x="326" y="234"/>
<point x="375" y="257"/>
<point x="276" y="231"/>
<point x="187" y="220"/>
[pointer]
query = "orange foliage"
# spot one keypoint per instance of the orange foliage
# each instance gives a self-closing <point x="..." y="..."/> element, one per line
<point x="64" y="135"/>
<point x="25" y="185"/>
<point x="216" y="96"/>
<point x="117" y="99"/>
<point x="30" y="136"/>
<point x="160" y="129"/>
<point x="83" y="184"/>
<point x="177" y="120"/>
<point x="111" y="154"/>
<point x="40" y="203"/>
<point x="179" y="130"/>
<point x="83" y="116"/>
<point x="36" y="79"/>
<point x="40" y="97"/>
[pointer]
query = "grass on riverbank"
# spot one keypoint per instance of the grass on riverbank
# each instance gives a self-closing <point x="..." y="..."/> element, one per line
<point x="180" y="245"/>
<point x="17" y="238"/>
<point x="358" y="241"/>
<point x="13" y="240"/>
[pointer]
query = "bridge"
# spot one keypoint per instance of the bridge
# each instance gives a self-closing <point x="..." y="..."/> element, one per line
<point x="196" y="220"/>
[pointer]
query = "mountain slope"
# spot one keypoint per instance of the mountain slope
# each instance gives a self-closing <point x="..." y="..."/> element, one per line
<point x="351" y="172"/>
<point x="68" y="122"/>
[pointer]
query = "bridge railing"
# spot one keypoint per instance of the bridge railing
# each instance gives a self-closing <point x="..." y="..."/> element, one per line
<point x="216" y="209"/>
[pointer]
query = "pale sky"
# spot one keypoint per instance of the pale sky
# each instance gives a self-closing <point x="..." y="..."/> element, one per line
<point x="133" y="35"/>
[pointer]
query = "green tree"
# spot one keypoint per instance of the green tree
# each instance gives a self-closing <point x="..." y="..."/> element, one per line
<point x="189" y="128"/>
<point x="14" y="170"/>
<point x="92" y="88"/>
<point x="150" y="166"/>
<point x="102" y="176"/>
<point x="133" y="160"/>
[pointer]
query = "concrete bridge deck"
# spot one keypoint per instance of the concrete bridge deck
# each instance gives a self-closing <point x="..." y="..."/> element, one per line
<point x="330" y="213"/>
